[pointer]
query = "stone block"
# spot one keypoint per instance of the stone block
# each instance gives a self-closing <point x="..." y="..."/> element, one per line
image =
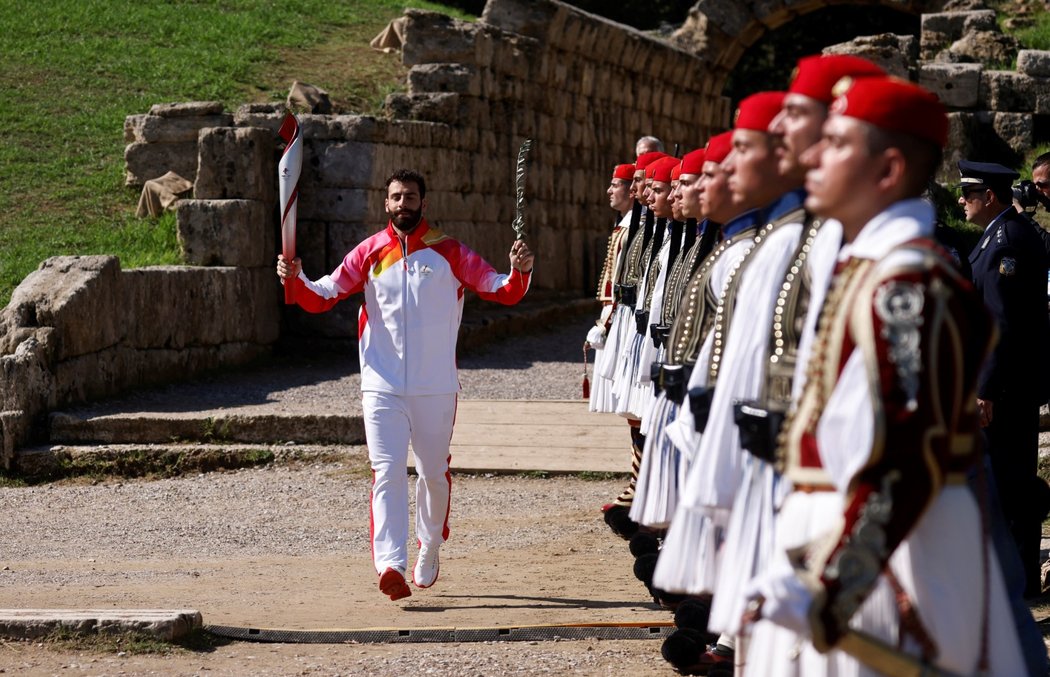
<point x="1042" y="96"/>
<point x="336" y="204"/>
<point x="991" y="48"/>
<point x="514" y="56"/>
<point x="342" y="237"/>
<point x="146" y="161"/>
<point x="485" y="41"/>
<point x="266" y="298"/>
<point x="225" y="232"/>
<point x="956" y="85"/>
<point x="431" y="37"/>
<point x="955" y="24"/>
<point x="444" y="77"/>
<point x="341" y="164"/>
<point x="355" y="127"/>
<point x="236" y="163"/>
<point x="14" y="433"/>
<point x="896" y="54"/>
<point x="731" y="17"/>
<point x="265" y="115"/>
<point x="311" y="247"/>
<point x="1016" y="132"/>
<point x="80" y="296"/>
<point x="25" y="375"/>
<point x="1007" y="91"/>
<point x="985" y="135"/>
<point x="174" y="306"/>
<point x="187" y="109"/>
<point x="1034" y="62"/>
<point x="160" y="129"/>
<point x="38" y="623"/>
<point x="525" y="18"/>
<point x="435" y="107"/>
<point x="91" y="377"/>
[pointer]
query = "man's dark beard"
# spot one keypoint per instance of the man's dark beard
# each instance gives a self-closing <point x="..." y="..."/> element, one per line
<point x="406" y="220"/>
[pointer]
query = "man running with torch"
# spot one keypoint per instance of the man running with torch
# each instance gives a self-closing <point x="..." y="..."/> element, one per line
<point x="413" y="277"/>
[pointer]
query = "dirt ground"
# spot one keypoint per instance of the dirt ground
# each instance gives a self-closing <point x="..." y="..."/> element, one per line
<point x="507" y="563"/>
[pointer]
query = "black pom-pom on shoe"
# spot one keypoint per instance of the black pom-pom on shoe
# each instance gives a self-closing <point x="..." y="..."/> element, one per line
<point x="644" y="543"/>
<point x="619" y="520"/>
<point x="682" y="649"/>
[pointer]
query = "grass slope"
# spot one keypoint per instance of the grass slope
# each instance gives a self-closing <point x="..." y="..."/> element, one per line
<point x="72" y="70"/>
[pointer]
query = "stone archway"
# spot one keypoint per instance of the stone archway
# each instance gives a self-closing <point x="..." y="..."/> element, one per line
<point x="721" y="31"/>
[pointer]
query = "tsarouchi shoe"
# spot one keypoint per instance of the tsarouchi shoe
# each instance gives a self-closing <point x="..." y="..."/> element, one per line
<point x="427" y="566"/>
<point x="392" y="584"/>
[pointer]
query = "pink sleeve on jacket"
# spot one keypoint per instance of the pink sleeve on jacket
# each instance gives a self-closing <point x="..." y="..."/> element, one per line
<point x="346" y="280"/>
<point x="478" y="275"/>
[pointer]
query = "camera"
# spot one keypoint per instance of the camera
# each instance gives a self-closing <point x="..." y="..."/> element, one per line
<point x="1028" y="196"/>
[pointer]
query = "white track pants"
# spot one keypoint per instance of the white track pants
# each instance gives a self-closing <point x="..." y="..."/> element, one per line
<point x="391" y="421"/>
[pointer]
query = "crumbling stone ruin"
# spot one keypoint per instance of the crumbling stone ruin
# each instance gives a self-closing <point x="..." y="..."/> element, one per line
<point x="583" y="88"/>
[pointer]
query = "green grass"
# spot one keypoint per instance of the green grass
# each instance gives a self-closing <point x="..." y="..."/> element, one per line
<point x="72" y="70"/>
<point x="1030" y="25"/>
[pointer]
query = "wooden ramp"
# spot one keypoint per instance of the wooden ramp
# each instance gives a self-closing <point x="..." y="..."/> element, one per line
<point x="557" y="436"/>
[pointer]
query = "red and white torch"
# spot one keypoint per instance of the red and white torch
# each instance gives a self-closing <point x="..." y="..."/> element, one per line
<point x="288" y="170"/>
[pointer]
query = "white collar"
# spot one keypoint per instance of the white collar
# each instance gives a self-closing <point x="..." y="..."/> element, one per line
<point x="900" y="222"/>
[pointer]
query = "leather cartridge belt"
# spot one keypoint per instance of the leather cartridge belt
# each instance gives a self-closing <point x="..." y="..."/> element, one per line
<point x="673" y="381"/>
<point x="758" y="425"/>
<point x="626" y="293"/>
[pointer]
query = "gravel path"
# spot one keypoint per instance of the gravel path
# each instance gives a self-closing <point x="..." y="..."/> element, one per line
<point x="296" y="528"/>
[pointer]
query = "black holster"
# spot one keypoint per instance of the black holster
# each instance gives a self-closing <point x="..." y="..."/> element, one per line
<point x="626" y="294"/>
<point x="659" y="334"/>
<point x="673" y="379"/>
<point x="656" y="376"/>
<point x="700" y="404"/>
<point x="759" y="427"/>
<point x="641" y="319"/>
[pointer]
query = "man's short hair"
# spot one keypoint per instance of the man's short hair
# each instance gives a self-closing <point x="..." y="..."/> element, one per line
<point x="923" y="157"/>
<point x="1041" y="161"/>
<point x="408" y="176"/>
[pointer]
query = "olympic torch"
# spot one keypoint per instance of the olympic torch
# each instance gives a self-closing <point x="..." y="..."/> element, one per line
<point x="288" y="170"/>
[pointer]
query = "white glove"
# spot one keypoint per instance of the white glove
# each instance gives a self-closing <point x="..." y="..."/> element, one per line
<point x="596" y="337"/>
<point x="785" y="600"/>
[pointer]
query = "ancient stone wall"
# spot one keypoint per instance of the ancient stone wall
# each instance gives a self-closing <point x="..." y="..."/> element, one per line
<point x="79" y="328"/>
<point x="581" y="87"/>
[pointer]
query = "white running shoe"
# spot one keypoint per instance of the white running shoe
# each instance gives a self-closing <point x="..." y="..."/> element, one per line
<point x="427" y="566"/>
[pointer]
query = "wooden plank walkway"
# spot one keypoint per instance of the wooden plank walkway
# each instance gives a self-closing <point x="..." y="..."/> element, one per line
<point x="557" y="436"/>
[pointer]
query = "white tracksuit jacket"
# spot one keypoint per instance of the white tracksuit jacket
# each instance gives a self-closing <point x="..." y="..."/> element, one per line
<point x="413" y="304"/>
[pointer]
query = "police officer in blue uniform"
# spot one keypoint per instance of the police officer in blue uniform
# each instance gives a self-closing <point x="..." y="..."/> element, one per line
<point x="1009" y="266"/>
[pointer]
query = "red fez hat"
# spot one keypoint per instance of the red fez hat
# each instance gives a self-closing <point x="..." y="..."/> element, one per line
<point x="718" y="147"/>
<point x="646" y="159"/>
<point x="661" y="169"/>
<point x="758" y="110"/>
<point x="815" y="76"/>
<point x="676" y="172"/>
<point x="693" y="162"/>
<point x="625" y="172"/>
<point x="894" y="105"/>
